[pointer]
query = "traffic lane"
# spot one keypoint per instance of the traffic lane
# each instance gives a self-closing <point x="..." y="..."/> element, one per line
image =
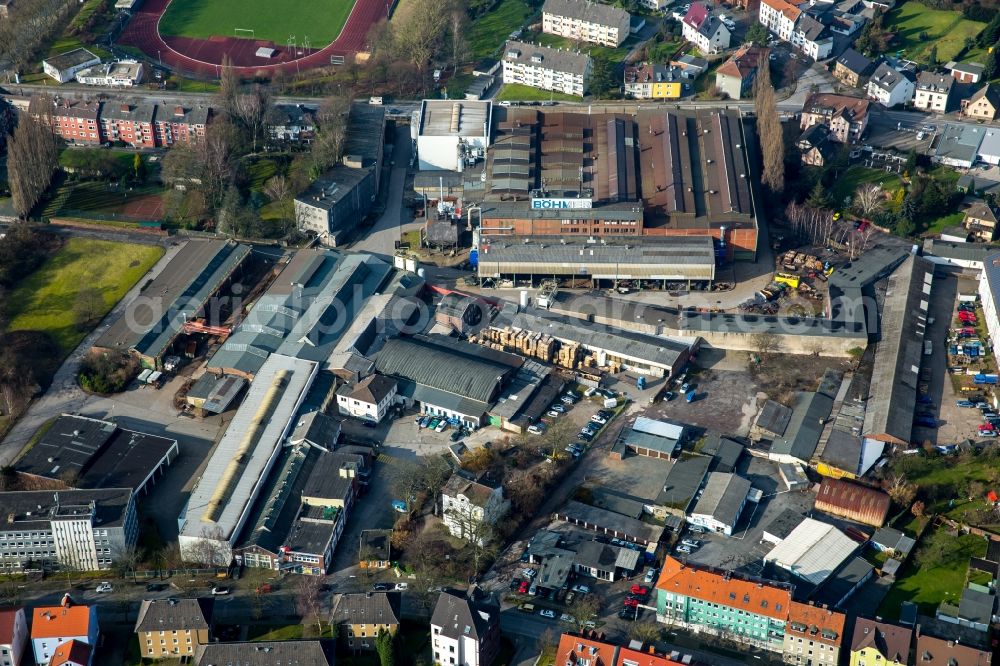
<point x="514" y="622"/>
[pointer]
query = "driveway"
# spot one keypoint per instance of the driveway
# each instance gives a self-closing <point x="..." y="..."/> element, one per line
<point x="381" y="238"/>
<point x="64" y="395"/>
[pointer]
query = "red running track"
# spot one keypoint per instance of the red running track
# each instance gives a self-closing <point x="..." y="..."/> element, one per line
<point x="203" y="56"/>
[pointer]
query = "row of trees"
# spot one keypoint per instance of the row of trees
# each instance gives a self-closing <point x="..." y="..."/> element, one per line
<point x="32" y="158"/>
<point x="769" y="130"/>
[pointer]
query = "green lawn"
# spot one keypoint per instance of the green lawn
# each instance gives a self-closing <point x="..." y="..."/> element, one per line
<point x="45" y="300"/>
<point x="945" y="221"/>
<point x="321" y="21"/>
<point x="594" y="50"/>
<point x="858" y="175"/>
<point x="935" y="573"/>
<point x="947" y="29"/>
<point x="516" y="92"/>
<point x="490" y="32"/>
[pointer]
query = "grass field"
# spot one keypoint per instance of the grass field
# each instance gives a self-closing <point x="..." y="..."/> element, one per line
<point x="105" y="201"/>
<point x="491" y="31"/>
<point x="45" y="300"/>
<point x="937" y="574"/>
<point x="593" y="50"/>
<point x="321" y="22"/>
<point x="848" y="183"/>
<point x="516" y="92"/>
<point x="947" y="29"/>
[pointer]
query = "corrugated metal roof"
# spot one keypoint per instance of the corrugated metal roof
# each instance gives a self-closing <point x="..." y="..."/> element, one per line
<point x="813" y="551"/>
<point x="275" y="395"/>
<point x="660" y="428"/>
<point x="853" y="500"/>
<point x="723" y="497"/>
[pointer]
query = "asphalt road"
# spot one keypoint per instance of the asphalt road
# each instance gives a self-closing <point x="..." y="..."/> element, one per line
<point x="381" y="238"/>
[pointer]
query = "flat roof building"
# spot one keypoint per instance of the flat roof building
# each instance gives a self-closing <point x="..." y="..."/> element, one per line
<point x="450" y="133"/>
<point x="63" y="67"/>
<point x="813" y="551"/>
<point x="721" y="503"/>
<point x="546" y="68"/>
<point x="221" y="500"/>
<point x="86" y="452"/>
<point x="682" y="484"/>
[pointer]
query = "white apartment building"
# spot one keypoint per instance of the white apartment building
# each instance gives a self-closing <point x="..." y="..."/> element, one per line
<point x="703" y="29"/>
<point x="812" y="37"/>
<point x="989" y="293"/>
<point x="933" y="92"/>
<point x="779" y="17"/>
<point x="890" y="87"/>
<point x="464" y="632"/>
<point x="586" y="21"/>
<point x="369" y="399"/>
<point x="546" y="68"/>
<point x="471" y="509"/>
<point x="81" y="529"/>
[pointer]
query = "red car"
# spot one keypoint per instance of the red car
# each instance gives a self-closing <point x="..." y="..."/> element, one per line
<point x="639" y="590"/>
<point x="631" y="603"/>
<point x="523" y="587"/>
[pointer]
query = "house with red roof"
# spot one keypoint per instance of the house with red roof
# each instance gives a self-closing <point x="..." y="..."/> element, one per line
<point x="52" y="626"/>
<point x="630" y="657"/>
<point x="13" y="635"/>
<point x="72" y="653"/>
<point x="705" y="30"/>
<point x="574" y="649"/>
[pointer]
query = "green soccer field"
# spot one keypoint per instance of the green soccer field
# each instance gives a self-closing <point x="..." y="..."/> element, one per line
<point x="275" y="20"/>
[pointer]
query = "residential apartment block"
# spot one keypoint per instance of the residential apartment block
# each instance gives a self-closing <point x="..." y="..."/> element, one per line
<point x="55" y="626"/>
<point x="735" y="77"/>
<point x="705" y="30"/>
<point x="649" y="81"/>
<point x="363" y="615"/>
<point x="933" y="92"/>
<point x="847" y="117"/>
<point x="810" y="30"/>
<point x="80" y="529"/>
<point x="750" y="611"/>
<point x="983" y="105"/>
<point x="779" y="17"/>
<point x="890" y="87"/>
<point x="464" y="631"/>
<point x="471" y="509"/>
<point x="142" y="125"/>
<point x="546" y="68"/>
<point x="585" y="21"/>
<point x="173" y="627"/>
<point x="880" y="644"/>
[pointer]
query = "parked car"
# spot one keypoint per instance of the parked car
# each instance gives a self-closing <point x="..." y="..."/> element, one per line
<point x="523" y="587"/>
<point x="982" y="405"/>
<point x="105" y="587"/>
<point x="597" y="418"/>
<point x="529" y="573"/>
<point x="691" y="543"/>
<point x="536" y="428"/>
<point x="441" y="426"/>
<point x="650" y="575"/>
<point x="382" y="587"/>
<point x="585" y="435"/>
<point x="965" y="403"/>
<point x="545" y="612"/>
<point x="683" y="549"/>
<point x="581" y="589"/>
<point x="639" y="590"/>
<point x="669" y="395"/>
<point x="590" y="391"/>
<point x="576" y="453"/>
<point x="631" y="603"/>
<point x="570" y="596"/>
<point x="566" y="400"/>
<point x="434" y="423"/>
<point x="566" y="617"/>
<point x="553" y="413"/>
<point x="558" y="407"/>
<point x="402" y="587"/>
<point x="219" y="591"/>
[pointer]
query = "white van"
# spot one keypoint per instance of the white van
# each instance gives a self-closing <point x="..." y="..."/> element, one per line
<point x="375" y="101"/>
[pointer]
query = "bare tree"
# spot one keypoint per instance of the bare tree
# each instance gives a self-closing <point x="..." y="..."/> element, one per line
<point x="473" y="528"/>
<point x="645" y="632"/>
<point x="309" y="601"/>
<point x="583" y="610"/>
<point x="33" y="155"/>
<point x="229" y="85"/>
<point x="252" y="110"/>
<point x="869" y="199"/>
<point x="765" y="344"/>
<point x="769" y="129"/>
<point x="899" y="489"/>
<point x="459" y="29"/>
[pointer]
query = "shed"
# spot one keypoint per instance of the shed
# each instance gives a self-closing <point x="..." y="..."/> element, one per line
<point x="853" y="501"/>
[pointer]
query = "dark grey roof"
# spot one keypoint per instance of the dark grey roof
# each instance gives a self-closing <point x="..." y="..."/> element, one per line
<point x="931" y="82"/>
<point x="855" y="62"/>
<point x="377" y="543"/>
<point x="140" y="113"/>
<point x="442" y="398"/>
<point x="554" y="59"/>
<point x="327" y="191"/>
<point x="959" y="141"/>
<point x="723" y="497"/>
<point x="810" y="28"/>
<point x="843" y="450"/>
<point x="603" y="519"/>
<point x="365" y="134"/>
<point x="266" y="653"/>
<point x="959" y="251"/>
<point x="447" y="365"/>
<point x="683" y="481"/>
<point x="774" y="417"/>
<point x="839" y="586"/>
<point x="458" y="617"/>
<point x="35" y="509"/>
<point x="332" y="473"/>
<point x="887" y="78"/>
<point x="782" y="525"/>
<point x="977" y="606"/>
<point x="316" y="429"/>
<point x="968" y="67"/>
<point x="584" y="10"/>
<point x="367" y="608"/>
<point x="727" y="452"/>
<point x="811" y="411"/>
<point x="196" y="115"/>
<point x="171" y="614"/>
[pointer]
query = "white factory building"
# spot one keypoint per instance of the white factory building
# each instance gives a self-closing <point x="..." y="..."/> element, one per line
<point x="452" y="135"/>
<point x="224" y="496"/>
<point x="813" y="551"/>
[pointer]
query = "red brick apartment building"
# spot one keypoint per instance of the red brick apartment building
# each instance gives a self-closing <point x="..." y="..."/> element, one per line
<point x="138" y="125"/>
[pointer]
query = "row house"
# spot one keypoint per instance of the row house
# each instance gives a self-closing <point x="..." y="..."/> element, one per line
<point x="749" y="611"/>
<point x="129" y="123"/>
<point x="139" y="125"/>
<point x="585" y="21"/>
<point x="779" y="17"/>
